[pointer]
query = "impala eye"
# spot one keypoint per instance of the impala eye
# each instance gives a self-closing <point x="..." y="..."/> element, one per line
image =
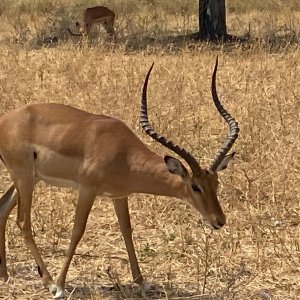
<point x="196" y="188"/>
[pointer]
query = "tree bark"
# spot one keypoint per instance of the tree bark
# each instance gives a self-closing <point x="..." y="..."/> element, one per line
<point x="212" y="20"/>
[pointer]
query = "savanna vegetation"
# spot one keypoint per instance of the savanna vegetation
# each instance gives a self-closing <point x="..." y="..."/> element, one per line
<point x="257" y="254"/>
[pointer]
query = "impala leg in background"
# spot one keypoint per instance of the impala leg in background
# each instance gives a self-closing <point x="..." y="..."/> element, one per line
<point x="24" y="199"/>
<point x="7" y="202"/>
<point x="88" y="28"/>
<point x="122" y="211"/>
<point x="85" y="203"/>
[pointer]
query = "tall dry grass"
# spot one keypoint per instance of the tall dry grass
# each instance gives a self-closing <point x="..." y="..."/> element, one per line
<point x="257" y="254"/>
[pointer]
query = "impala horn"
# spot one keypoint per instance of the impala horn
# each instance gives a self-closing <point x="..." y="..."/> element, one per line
<point x="144" y="121"/>
<point x="188" y="157"/>
<point x="232" y="124"/>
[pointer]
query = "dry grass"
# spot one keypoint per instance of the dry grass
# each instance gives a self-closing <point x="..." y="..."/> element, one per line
<point x="257" y="254"/>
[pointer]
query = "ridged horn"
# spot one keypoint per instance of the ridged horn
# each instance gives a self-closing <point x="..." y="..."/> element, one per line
<point x="144" y="121"/>
<point x="232" y="124"/>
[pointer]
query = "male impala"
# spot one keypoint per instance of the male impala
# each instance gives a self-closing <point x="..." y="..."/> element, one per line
<point x="98" y="155"/>
<point x="92" y="15"/>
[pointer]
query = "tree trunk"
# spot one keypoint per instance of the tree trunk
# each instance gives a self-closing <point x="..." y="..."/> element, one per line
<point x="212" y="19"/>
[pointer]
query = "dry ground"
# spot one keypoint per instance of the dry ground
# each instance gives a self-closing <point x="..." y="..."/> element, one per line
<point x="257" y="254"/>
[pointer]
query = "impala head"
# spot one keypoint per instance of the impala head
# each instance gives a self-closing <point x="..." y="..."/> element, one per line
<point x="202" y="184"/>
<point x="81" y="28"/>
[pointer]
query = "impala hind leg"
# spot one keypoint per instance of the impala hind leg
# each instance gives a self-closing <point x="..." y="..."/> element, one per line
<point x="88" y="27"/>
<point x="24" y="199"/>
<point x="84" y="205"/>
<point x="122" y="211"/>
<point x="108" y="25"/>
<point x="7" y="202"/>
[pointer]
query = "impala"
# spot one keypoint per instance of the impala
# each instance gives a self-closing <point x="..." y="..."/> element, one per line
<point x="98" y="155"/>
<point x="97" y="14"/>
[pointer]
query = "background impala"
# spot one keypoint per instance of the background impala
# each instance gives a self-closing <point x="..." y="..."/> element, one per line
<point x="96" y="15"/>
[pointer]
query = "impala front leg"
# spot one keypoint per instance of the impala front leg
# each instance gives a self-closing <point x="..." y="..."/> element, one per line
<point x="84" y="205"/>
<point x="24" y="199"/>
<point x="7" y="202"/>
<point x="122" y="211"/>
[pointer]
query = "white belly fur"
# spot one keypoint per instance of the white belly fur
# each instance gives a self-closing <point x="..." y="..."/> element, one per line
<point x="59" y="182"/>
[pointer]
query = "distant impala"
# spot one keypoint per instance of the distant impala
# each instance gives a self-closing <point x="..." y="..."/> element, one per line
<point x="98" y="155"/>
<point x="93" y="15"/>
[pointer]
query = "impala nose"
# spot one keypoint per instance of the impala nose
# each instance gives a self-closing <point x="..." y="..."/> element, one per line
<point x="218" y="225"/>
<point x="218" y="222"/>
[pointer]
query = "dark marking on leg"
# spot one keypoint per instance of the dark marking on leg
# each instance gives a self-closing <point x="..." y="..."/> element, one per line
<point x="40" y="271"/>
<point x="35" y="155"/>
<point x="0" y="260"/>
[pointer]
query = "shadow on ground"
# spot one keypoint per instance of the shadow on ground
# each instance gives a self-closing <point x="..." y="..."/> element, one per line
<point x="168" y="43"/>
<point x="130" y="291"/>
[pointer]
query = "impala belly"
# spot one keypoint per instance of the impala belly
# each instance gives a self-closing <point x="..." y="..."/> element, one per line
<point x="56" y="169"/>
<point x="100" y="20"/>
<point x="56" y="181"/>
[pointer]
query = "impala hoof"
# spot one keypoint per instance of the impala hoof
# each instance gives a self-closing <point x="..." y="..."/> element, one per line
<point x="52" y="288"/>
<point x="59" y="293"/>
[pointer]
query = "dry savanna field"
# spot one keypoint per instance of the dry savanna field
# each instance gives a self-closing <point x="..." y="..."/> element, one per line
<point x="256" y="255"/>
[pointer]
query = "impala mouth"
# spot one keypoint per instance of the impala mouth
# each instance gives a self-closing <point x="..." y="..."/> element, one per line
<point x="216" y="226"/>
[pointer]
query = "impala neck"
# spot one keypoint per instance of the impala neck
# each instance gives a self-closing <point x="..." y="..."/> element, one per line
<point x="151" y="176"/>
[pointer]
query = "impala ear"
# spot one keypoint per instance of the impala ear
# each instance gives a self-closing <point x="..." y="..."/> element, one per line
<point x="176" y="167"/>
<point x="223" y="165"/>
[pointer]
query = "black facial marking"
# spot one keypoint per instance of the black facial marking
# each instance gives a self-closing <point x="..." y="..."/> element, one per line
<point x="35" y="155"/>
<point x="40" y="271"/>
